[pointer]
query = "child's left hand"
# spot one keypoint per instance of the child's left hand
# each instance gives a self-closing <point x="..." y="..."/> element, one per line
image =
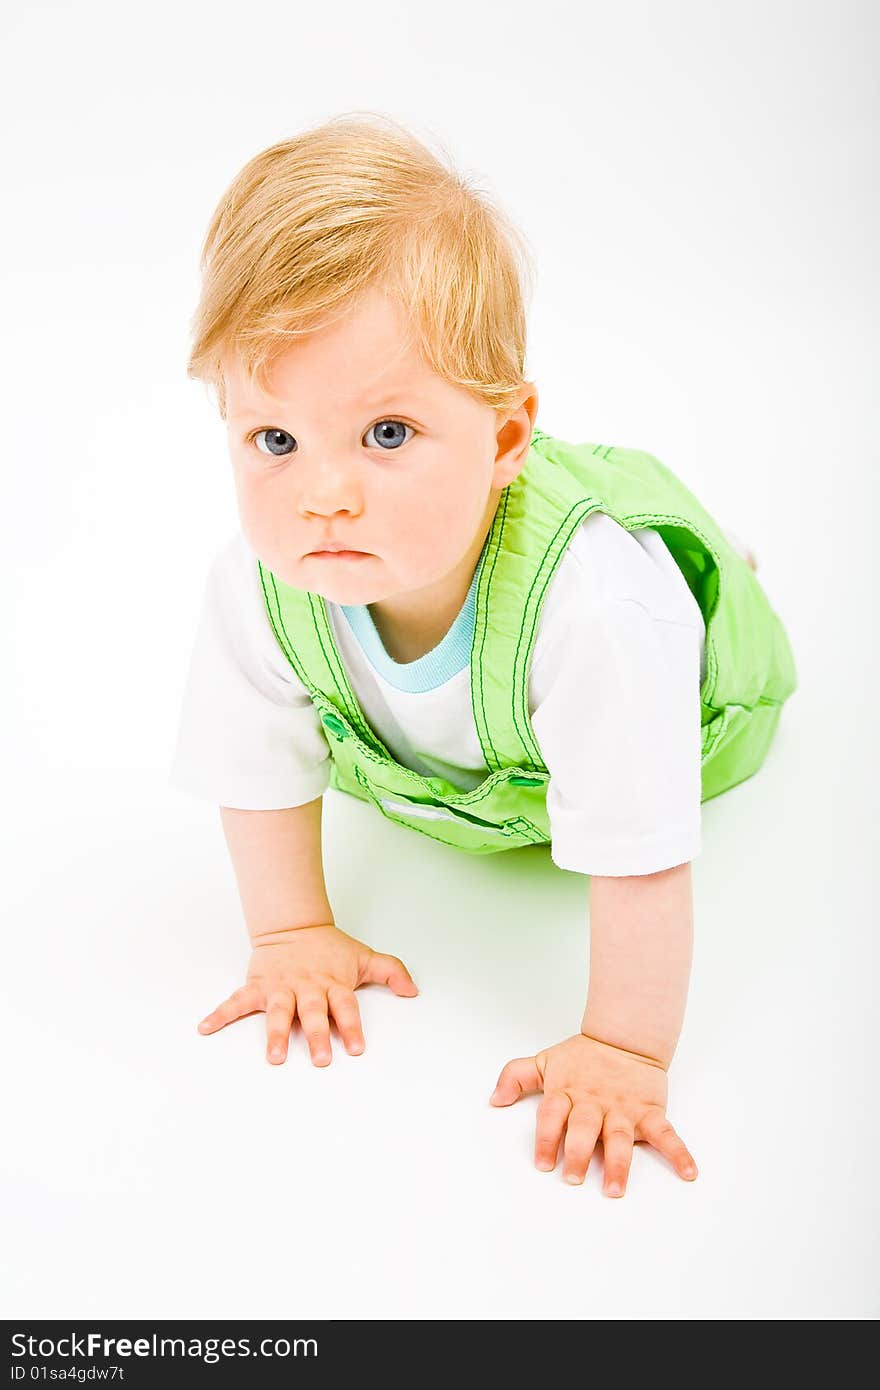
<point x="594" y="1090"/>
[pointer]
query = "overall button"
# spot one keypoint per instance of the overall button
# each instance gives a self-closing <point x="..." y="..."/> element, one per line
<point x="334" y="725"/>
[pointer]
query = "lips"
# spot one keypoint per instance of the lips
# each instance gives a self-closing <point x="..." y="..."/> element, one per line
<point x="339" y="554"/>
<point x="335" y="547"/>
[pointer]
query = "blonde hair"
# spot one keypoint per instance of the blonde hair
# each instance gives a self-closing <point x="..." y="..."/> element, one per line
<point x="359" y="201"/>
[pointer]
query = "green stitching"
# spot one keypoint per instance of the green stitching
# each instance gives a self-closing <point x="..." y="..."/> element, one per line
<point x="347" y="695"/>
<point x="521" y="686"/>
<point x="437" y="838"/>
<point x="483" y="611"/>
<point x="283" y="640"/>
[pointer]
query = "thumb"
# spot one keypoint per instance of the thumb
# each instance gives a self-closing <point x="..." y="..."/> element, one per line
<point x="391" y="971"/>
<point x="518" y="1078"/>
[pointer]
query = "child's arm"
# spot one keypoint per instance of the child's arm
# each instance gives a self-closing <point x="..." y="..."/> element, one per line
<point x="641" y="942"/>
<point x="609" y="1081"/>
<point x="301" y="963"/>
<point x="276" y="856"/>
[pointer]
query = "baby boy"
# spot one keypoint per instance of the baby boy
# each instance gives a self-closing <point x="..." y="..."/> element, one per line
<point x="492" y="637"/>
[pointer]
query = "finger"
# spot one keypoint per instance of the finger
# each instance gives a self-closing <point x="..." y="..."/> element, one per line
<point x="280" y="1008"/>
<point x="656" y="1129"/>
<point x="312" y="1010"/>
<point x="553" y="1112"/>
<point x="246" y="1000"/>
<point x="519" y="1077"/>
<point x="617" y="1140"/>
<point x="391" y="971"/>
<point x="582" y="1132"/>
<point x="345" y="1011"/>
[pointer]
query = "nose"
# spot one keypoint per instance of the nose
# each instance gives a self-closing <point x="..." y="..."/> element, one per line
<point x="328" y="486"/>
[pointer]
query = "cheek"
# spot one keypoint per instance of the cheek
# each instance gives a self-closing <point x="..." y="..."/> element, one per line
<point x="260" y="506"/>
<point x="248" y="509"/>
<point x="450" y="505"/>
<point x="269" y="527"/>
<point x="436" y="521"/>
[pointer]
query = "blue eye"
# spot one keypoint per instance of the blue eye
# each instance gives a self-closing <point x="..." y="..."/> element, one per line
<point x="279" y="443"/>
<point x="389" y="436"/>
<point x="275" y="437"/>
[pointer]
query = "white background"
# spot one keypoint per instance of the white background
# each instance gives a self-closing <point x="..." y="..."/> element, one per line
<point x="696" y="183"/>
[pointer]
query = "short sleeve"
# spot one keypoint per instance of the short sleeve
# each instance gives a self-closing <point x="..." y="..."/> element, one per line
<point x="249" y="735"/>
<point x="618" y="725"/>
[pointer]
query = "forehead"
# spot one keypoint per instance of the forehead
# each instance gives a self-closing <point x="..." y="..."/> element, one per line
<point x="250" y="400"/>
<point x="365" y="355"/>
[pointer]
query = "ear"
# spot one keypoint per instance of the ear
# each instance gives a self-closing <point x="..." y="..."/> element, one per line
<point x="514" y="435"/>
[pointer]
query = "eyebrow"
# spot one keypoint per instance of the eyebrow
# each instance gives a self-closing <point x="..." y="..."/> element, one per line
<point x="390" y="398"/>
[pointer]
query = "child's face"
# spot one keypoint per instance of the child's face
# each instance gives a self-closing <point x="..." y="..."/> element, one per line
<point x="361" y="442"/>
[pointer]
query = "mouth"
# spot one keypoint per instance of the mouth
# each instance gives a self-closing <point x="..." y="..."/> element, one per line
<point x="339" y="555"/>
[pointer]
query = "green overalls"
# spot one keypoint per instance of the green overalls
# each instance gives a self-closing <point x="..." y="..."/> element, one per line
<point x="750" y="669"/>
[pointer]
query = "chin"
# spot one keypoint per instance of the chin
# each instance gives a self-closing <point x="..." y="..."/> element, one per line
<point x="350" y="594"/>
<point x="338" y="588"/>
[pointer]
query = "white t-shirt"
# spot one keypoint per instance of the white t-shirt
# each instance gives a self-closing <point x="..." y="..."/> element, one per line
<point x="613" y="694"/>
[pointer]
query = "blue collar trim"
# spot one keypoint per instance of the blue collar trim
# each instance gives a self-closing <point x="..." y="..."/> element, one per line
<point x="451" y="655"/>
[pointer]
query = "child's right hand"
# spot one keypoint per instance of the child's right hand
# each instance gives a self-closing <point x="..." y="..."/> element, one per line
<point x="313" y="972"/>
